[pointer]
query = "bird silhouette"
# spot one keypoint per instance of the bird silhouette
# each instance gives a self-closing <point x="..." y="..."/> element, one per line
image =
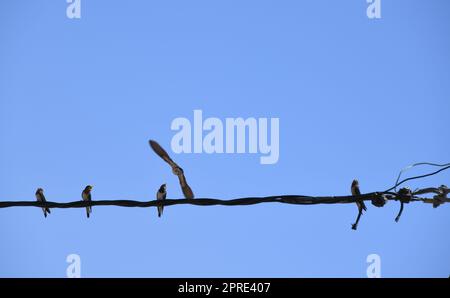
<point x="41" y="198"/>
<point x="161" y="195"/>
<point x="176" y="169"/>
<point x="87" y="197"/>
<point x="360" y="203"/>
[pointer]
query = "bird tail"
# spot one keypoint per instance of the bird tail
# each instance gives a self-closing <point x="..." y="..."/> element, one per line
<point x="87" y="211"/>
<point x="48" y="210"/>
<point x="160" y="211"/>
<point x="363" y="206"/>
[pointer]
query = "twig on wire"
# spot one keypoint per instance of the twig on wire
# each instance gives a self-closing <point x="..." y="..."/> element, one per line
<point x="417" y="177"/>
<point x="176" y="169"/>
<point x="415" y="165"/>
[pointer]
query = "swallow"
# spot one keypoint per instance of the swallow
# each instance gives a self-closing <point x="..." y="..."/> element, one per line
<point x="360" y="203"/>
<point x="161" y="195"/>
<point x="86" y="195"/>
<point x="41" y="198"/>
<point x="176" y="169"/>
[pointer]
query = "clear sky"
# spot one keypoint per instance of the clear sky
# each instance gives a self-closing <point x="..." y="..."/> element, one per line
<point x="355" y="97"/>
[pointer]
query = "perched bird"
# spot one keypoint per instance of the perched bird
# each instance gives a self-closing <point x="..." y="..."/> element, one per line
<point x="86" y="195"/>
<point x="176" y="169"/>
<point x="161" y="195"/>
<point x="41" y="198"/>
<point x="361" y="206"/>
<point x="357" y="192"/>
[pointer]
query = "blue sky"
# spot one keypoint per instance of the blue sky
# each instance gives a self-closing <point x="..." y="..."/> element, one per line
<point x="356" y="98"/>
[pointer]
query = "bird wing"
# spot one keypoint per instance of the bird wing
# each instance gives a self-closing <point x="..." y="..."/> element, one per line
<point x="162" y="153"/>
<point x="44" y="200"/>
<point x="40" y="197"/>
<point x="160" y="195"/>
<point x="356" y="191"/>
<point x="86" y="196"/>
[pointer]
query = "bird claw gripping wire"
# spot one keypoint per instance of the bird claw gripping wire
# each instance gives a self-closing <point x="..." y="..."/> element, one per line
<point x="405" y="196"/>
<point x="441" y="197"/>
